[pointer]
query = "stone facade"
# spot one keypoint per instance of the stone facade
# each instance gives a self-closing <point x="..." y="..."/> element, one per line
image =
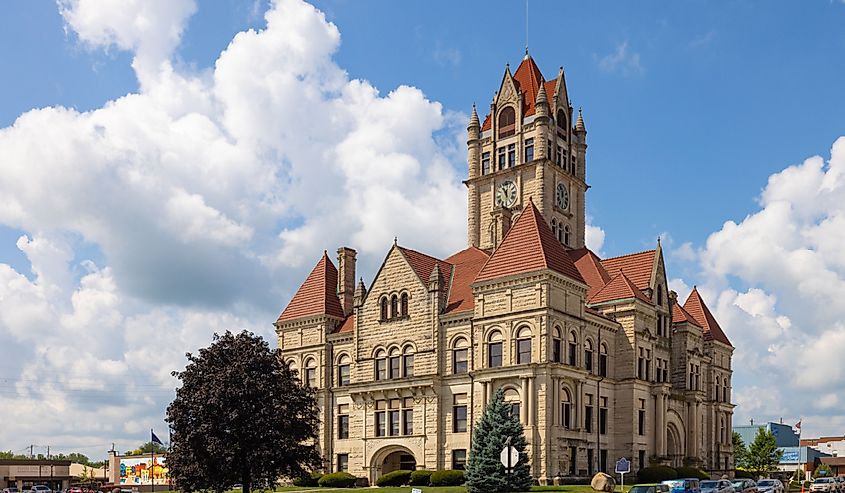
<point x="596" y="356"/>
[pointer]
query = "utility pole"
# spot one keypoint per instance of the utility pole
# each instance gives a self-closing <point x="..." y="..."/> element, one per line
<point x="31" y="456"/>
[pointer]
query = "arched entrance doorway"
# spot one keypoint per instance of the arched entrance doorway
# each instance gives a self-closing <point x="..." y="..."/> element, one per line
<point x="674" y="446"/>
<point x="389" y="459"/>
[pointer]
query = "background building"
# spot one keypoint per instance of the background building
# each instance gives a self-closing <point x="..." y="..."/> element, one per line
<point x="833" y="446"/>
<point x="596" y="357"/>
<point x="141" y="471"/>
<point x="23" y="474"/>
<point x="785" y="435"/>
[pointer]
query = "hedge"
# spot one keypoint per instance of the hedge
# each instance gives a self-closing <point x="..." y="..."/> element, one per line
<point x="743" y="474"/>
<point x="337" y="480"/>
<point x="394" y="478"/>
<point x="309" y="480"/>
<point x="447" y="478"/>
<point x="656" y="474"/>
<point x="691" y="472"/>
<point x="420" y="478"/>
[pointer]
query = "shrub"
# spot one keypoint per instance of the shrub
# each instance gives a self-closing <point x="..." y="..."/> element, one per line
<point x="692" y="472"/>
<point x="447" y="478"/>
<point x="309" y="480"/>
<point x="394" y="478"/>
<point x="656" y="474"/>
<point x="337" y="480"/>
<point x="743" y="474"/>
<point x="420" y="478"/>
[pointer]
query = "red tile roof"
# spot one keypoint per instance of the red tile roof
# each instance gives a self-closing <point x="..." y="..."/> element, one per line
<point x="712" y="331"/>
<point x="467" y="265"/>
<point x="423" y="265"/>
<point x="317" y="295"/>
<point x="680" y="315"/>
<point x="637" y="266"/>
<point x="619" y="288"/>
<point x="527" y="78"/>
<point x="529" y="246"/>
<point x="591" y="269"/>
<point x="347" y="326"/>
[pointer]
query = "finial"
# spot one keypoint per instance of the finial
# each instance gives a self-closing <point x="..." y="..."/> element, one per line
<point x="579" y="124"/>
<point x="395" y="240"/>
<point x="473" y="119"/>
<point x="527" y="56"/>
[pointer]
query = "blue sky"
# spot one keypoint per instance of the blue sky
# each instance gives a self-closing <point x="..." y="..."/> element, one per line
<point x="698" y="113"/>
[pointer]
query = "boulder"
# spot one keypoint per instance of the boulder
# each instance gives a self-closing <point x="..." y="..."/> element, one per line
<point x="603" y="482"/>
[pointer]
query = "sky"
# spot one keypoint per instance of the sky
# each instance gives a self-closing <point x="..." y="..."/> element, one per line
<point x="170" y="169"/>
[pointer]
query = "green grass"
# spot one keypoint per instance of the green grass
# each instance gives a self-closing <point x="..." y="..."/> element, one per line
<point x="425" y="489"/>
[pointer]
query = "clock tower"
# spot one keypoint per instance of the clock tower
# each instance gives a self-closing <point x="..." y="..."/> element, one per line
<point x="527" y="147"/>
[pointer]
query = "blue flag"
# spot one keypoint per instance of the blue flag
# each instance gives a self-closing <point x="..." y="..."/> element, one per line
<point x="155" y="439"/>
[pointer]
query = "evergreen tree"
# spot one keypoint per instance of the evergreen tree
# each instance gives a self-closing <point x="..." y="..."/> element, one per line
<point x="762" y="455"/>
<point x="484" y="470"/>
<point x="739" y="447"/>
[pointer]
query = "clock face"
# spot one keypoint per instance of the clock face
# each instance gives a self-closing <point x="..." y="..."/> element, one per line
<point x="506" y="194"/>
<point x="562" y="196"/>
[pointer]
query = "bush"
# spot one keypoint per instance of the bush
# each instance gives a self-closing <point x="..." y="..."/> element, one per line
<point x="656" y="474"/>
<point x="420" y="478"/>
<point x="743" y="474"/>
<point x="692" y="472"/>
<point x="447" y="478"/>
<point x="337" y="480"/>
<point x="394" y="478"/>
<point x="309" y="480"/>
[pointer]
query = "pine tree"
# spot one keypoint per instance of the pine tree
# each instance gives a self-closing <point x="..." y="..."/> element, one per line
<point x="739" y="447"/>
<point x="484" y="471"/>
<point x="762" y="455"/>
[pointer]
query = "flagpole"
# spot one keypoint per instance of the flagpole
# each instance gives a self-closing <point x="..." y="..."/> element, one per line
<point x="152" y="460"/>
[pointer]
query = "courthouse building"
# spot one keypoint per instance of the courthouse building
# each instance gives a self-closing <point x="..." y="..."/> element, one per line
<point x="597" y="357"/>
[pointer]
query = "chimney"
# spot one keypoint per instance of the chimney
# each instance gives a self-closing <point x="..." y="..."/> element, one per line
<point x="346" y="278"/>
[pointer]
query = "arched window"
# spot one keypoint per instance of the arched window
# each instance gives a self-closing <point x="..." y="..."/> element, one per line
<point x="381" y="365"/>
<point x="603" y="360"/>
<point x="561" y="121"/>
<point x="566" y="235"/>
<point x="494" y="349"/>
<point x="512" y="402"/>
<point x="554" y="227"/>
<point x="404" y="304"/>
<point x="557" y="346"/>
<point x="343" y="370"/>
<point x="718" y="388"/>
<point x="507" y="122"/>
<point x="384" y="309"/>
<point x="394" y="364"/>
<point x="408" y="360"/>
<point x="725" y="391"/>
<point x="293" y="367"/>
<point x="566" y="408"/>
<point x="588" y="355"/>
<point x="460" y="356"/>
<point x="523" y="346"/>
<point x="394" y="306"/>
<point x="659" y="295"/>
<point x="722" y="430"/>
<point x="311" y="373"/>
<point x="573" y="349"/>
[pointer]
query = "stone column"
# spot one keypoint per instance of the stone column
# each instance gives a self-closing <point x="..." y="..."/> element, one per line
<point x="658" y="424"/>
<point x="665" y="421"/>
<point x="531" y="401"/>
<point x="523" y="409"/>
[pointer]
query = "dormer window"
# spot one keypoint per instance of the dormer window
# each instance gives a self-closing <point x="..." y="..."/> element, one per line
<point x="507" y="122"/>
<point x="659" y="295"/>
<point x="561" y="122"/>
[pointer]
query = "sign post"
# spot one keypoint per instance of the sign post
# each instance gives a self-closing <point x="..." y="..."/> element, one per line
<point x="623" y="466"/>
<point x="509" y="456"/>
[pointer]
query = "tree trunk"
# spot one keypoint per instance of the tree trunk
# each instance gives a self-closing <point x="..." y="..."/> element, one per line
<point x="246" y="480"/>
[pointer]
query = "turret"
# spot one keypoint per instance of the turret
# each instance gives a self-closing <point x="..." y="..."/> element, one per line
<point x="360" y="293"/>
<point x="542" y="113"/>
<point x="435" y="289"/>
<point x="473" y="144"/>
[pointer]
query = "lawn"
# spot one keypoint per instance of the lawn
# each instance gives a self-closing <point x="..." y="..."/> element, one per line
<point x="425" y="489"/>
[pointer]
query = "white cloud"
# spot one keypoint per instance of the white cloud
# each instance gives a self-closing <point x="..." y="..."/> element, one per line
<point x="622" y="61"/>
<point x="208" y="196"/>
<point x="594" y="238"/>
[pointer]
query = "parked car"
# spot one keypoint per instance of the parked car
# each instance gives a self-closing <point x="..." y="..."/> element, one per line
<point x="744" y="486"/>
<point x="10" y="490"/>
<point x="40" y="488"/>
<point x="841" y="481"/>
<point x="770" y="486"/>
<point x="717" y="486"/>
<point x="650" y="488"/>
<point x="684" y="485"/>
<point x="825" y="485"/>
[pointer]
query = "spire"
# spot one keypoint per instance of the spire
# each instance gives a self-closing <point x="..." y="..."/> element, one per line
<point x="542" y="97"/>
<point x="579" y="124"/>
<point x="360" y="292"/>
<point x="473" y="119"/>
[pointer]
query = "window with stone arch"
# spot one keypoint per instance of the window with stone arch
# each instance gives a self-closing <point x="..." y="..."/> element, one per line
<point x="494" y="349"/>
<point x="561" y="121"/>
<point x="722" y="430"/>
<point x="394" y="306"/>
<point x="292" y="365"/>
<point x="588" y="355"/>
<point x="408" y="361"/>
<point x="394" y="363"/>
<point x="523" y="345"/>
<point x="310" y="373"/>
<point x="403" y="305"/>
<point x="725" y="391"/>
<point x="384" y="313"/>
<point x="566" y="235"/>
<point x="557" y="346"/>
<point x="554" y="229"/>
<point x="343" y="366"/>
<point x="603" y="360"/>
<point x="565" y="408"/>
<point x="718" y="388"/>
<point x="512" y="402"/>
<point x="572" y="359"/>
<point x="507" y="122"/>
<point x="460" y="356"/>
<point x="381" y="364"/>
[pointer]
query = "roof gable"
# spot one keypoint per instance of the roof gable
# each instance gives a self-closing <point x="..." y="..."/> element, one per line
<point x="679" y="315"/>
<point x="591" y="269"/>
<point x="529" y="246"/>
<point x="317" y="295"/>
<point x="423" y="264"/>
<point x="619" y="288"/>
<point x="712" y="331"/>
<point x="528" y="79"/>
<point x="638" y="267"/>
<point x="467" y="264"/>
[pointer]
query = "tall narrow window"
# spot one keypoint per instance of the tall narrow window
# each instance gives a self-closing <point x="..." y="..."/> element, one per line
<point x="641" y="364"/>
<point x="588" y="355"/>
<point x="459" y="459"/>
<point x="659" y="295"/>
<point x="549" y="149"/>
<point x="394" y="306"/>
<point x="512" y="402"/>
<point x="603" y="416"/>
<point x="561" y="121"/>
<point x="725" y="392"/>
<point x="511" y="155"/>
<point x="507" y="122"/>
<point x="573" y="460"/>
<point x="588" y="414"/>
<point x="381" y="418"/>
<point x="566" y="235"/>
<point x="603" y="361"/>
<point x="404" y="305"/>
<point x="494" y="350"/>
<point x="573" y="350"/>
<point x="641" y="418"/>
<point x="460" y="362"/>
<point x="718" y="388"/>
<point x="342" y="462"/>
<point x="529" y="150"/>
<point x="459" y="413"/>
<point x="395" y="366"/>
<point x="311" y="373"/>
<point x="408" y="365"/>
<point x="381" y="366"/>
<point x="501" y="158"/>
<point x="559" y="156"/>
<point x="343" y="371"/>
<point x="343" y="421"/>
<point x="408" y="418"/>
<point x="485" y="163"/>
<point x="393" y="417"/>
<point x="384" y="312"/>
<point x="523" y="346"/>
<point x="557" y="347"/>
<point x="566" y="409"/>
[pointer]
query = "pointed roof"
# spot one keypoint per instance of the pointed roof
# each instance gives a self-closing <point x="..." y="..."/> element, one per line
<point x="619" y="288"/>
<point x="423" y="264"/>
<point x="637" y="266"/>
<point x="579" y="124"/>
<point x="712" y="331"/>
<point x="528" y="79"/>
<point x="473" y="119"/>
<point x="317" y="295"/>
<point x="529" y="246"/>
<point x="591" y="269"/>
<point x="347" y="326"/>
<point x="680" y="315"/>
<point x="467" y="264"/>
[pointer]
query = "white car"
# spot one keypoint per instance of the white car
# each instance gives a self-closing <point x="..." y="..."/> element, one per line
<point x="717" y="486"/>
<point x="40" y="488"/>
<point x="770" y="486"/>
<point x="824" y="485"/>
